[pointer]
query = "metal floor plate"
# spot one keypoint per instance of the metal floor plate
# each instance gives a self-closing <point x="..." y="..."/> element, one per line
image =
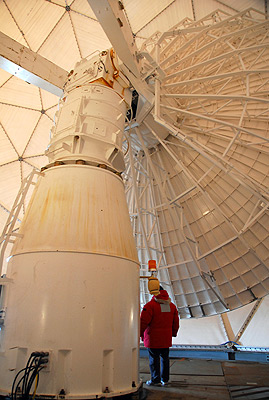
<point x="195" y="379"/>
<point x="249" y="392"/>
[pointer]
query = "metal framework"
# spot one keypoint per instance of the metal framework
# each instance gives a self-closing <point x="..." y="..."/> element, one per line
<point x="210" y="174"/>
<point x="197" y="164"/>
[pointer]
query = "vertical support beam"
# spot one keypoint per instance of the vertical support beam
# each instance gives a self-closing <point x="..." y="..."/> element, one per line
<point x="227" y="327"/>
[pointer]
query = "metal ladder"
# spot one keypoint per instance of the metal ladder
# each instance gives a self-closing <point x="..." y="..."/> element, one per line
<point x="8" y="231"/>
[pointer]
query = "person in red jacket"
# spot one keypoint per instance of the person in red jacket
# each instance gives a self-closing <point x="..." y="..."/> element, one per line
<point x="158" y="323"/>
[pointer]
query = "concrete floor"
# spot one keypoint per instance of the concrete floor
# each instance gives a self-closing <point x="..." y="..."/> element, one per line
<point x="207" y="379"/>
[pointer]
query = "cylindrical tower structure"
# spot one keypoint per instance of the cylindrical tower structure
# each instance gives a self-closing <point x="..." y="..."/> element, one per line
<point x="75" y="290"/>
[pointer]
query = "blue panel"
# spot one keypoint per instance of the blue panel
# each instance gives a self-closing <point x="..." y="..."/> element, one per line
<point x="222" y="353"/>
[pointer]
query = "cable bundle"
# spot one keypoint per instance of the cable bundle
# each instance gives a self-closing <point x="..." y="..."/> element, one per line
<point x="30" y="373"/>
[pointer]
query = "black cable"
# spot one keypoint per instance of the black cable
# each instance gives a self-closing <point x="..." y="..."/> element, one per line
<point x="29" y="379"/>
<point x="34" y="376"/>
<point x="31" y="368"/>
<point x="31" y="371"/>
<point x="17" y="387"/>
<point x="42" y="359"/>
<point x="29" y="364"/>
<point x="35" y="372"/>
<point x="14" y="381"/>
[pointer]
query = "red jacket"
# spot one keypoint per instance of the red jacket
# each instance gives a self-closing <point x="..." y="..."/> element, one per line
<point x="159" y="322"/>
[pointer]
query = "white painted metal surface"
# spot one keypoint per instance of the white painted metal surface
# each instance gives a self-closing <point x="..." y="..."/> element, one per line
<point x="74" y="266"/>
<point x="30" y="67"/>
<point x="75" y="286"/>
<point x="114" y="22"/>
<point x="90" y="126"/>
<point x="78" y="208"/>
<point x="91" y="118"/>
<point x="83" y="308"/>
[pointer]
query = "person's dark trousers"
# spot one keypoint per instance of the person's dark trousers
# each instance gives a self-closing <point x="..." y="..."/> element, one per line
<point x="157" y="373"/>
